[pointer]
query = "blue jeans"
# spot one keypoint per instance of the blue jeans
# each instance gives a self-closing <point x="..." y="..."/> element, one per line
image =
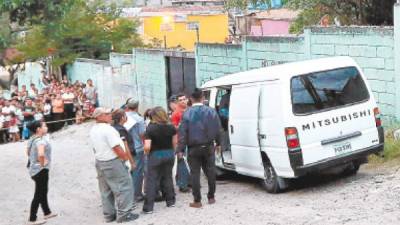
<point x="137" y="175"/>
<point x="182" y="174"/>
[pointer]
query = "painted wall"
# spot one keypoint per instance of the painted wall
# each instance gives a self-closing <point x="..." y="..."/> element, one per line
<point x="212" y="29"/>
<point x="275" y="27"/>
<point x="371" y="47"/>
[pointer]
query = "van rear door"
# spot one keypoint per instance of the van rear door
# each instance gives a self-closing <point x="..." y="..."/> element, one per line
<point x="243" y="130"/>
<point x="333" y="112"/>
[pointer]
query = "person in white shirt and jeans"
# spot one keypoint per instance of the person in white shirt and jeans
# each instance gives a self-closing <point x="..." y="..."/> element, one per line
<point x="115" y="182"/>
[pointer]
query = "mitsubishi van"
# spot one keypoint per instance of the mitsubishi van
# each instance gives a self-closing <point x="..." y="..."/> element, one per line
<point x="292" y="119"/>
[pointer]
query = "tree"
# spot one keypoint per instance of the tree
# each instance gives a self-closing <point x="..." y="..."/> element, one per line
<point x="81" y="30"/>
<point x="346" y="12"/>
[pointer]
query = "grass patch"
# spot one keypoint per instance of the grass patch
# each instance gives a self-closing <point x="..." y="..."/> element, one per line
<point x="392" y="147"/>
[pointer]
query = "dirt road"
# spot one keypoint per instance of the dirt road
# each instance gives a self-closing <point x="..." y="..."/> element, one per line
<point x="370" y="197"/>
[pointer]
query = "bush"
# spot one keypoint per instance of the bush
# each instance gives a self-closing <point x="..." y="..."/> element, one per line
<point x="392" y="146"/>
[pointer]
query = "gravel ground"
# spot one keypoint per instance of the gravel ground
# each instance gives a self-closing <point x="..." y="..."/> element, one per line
<point x="370" y="197"/>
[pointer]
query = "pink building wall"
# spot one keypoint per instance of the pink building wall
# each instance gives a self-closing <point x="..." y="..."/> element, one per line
<point x="270" y="27"/>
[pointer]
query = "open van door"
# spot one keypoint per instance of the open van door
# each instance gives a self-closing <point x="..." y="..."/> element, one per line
<point x="244" y="130"/>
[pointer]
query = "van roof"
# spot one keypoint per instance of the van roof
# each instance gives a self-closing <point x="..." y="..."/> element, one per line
<point x="282" y="71"/>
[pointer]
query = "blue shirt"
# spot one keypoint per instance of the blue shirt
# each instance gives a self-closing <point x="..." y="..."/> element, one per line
<point x="137" y="130"/>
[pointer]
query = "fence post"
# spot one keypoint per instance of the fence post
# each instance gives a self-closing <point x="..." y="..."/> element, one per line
<point x="396" y="23"/>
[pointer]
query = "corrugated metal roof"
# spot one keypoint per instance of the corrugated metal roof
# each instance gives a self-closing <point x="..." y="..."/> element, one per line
<point x="278" y="14"/>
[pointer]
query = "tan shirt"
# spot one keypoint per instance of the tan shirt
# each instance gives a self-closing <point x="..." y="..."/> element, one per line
<point x="58" y="106"/>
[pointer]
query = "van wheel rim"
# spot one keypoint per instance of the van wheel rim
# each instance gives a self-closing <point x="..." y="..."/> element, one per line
<point x="269" y="175"/>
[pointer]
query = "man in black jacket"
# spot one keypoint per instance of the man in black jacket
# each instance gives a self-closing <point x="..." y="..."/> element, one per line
<point x="199" y="129"/>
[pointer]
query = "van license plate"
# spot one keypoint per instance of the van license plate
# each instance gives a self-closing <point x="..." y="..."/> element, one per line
<point x="342" y="148"/>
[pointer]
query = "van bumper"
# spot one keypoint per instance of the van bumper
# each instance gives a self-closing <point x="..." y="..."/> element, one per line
<point x="359" y="155"/>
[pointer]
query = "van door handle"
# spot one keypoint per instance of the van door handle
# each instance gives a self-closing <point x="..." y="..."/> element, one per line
<point x="262" y="136"/>
<point x="231" y="129"/>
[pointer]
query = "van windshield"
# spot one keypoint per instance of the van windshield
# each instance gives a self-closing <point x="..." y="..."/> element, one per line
<point x="322" y="91"/>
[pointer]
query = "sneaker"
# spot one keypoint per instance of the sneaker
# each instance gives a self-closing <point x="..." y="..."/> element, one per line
<point x="51" y="215"/>
<point x="128" y="218"/>
<point x="171" y="205"/>
<point x="37" y="222"/>
<point x="196" y="205"/>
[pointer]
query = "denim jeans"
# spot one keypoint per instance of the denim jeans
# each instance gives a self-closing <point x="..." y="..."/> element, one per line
<point x="138" y="174"/>
<point x="160" y="164"/>
<point x="182" y="177"/>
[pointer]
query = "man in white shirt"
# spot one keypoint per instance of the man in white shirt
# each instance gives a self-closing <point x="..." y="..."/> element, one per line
<point x="115" y="182"/>
<point x="68" y="98"/>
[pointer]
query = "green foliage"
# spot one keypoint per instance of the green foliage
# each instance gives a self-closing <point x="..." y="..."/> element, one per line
<point x="88" y="31"/>
<point x="347" y="12"/>
<point x="242" y="4"/>
<point x="29" y="12"/>
<point x="392" y="146"/>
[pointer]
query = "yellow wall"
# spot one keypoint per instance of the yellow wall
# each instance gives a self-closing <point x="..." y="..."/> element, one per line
<point x="213" y="29"/>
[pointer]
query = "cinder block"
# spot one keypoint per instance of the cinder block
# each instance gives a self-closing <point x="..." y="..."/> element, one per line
<point x="363" y="51"/>
<point x="378" y="85"/>
<point x="377" y="63"/>
<point x="390" y="87"/>
<point x="385" y="52"/>
<point x="371" y="74"/>
<point x="386" y="75"/>
<point x="387" y="98"/>
<point x="319" y="49"/>
<point x="389" y="64"/>
<point x="342" y="50"/>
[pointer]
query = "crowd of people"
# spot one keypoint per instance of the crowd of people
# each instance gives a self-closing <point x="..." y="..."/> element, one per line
<point x="135" y="156"/>
<point x="57" y="103"/>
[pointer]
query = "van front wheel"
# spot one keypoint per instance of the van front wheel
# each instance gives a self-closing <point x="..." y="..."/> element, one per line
<point x="272" y="183"/>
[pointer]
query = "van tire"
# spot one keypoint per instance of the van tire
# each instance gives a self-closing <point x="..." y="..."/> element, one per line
<point x="352" y="169"/>
<point x="222" y="174"/>
<point x="272" y="183"/>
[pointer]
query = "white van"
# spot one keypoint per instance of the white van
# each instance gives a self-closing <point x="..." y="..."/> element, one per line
<point x="292" y="119"/>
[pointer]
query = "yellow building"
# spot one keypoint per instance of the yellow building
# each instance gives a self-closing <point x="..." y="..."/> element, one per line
<point x="177" y="26"/>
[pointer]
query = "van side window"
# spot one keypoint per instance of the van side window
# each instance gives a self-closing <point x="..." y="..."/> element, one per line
<point x="328" y="89"/>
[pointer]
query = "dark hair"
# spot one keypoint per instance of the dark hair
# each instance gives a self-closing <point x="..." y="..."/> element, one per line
<point x="197" y="95"/>
<point x="34" y="125"/>
<point x="117" y="116"/>
<point x="147" y="114"/>
<point x="180" y="95"/>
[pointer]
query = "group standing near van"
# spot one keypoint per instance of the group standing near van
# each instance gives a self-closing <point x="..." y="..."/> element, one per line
<point x="268" y="123"/>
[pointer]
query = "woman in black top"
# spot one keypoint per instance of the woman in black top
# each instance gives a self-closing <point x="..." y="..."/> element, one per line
<point x="160" y="142"/>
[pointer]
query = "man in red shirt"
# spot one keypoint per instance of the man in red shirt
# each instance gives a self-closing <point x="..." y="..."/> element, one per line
<point x="182" y="173"/>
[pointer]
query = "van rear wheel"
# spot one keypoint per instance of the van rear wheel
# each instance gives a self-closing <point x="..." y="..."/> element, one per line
<point x="272" y="183"/>
<point x="352" y="169"/>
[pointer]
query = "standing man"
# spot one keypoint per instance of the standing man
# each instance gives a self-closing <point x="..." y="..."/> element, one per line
<point x="182" y="172"/>
<point x="114" y="181"/>
<point x="91" y="92"/>
<point x="199" y="128"/>
<point x="136" y="128"/>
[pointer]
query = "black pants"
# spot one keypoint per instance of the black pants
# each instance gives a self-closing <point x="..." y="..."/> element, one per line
<point x="58" y="125"/>
<point x="69" y="113"/>
<point x="159" y="169"/>
<point x="49" y="118"/>
<point x="41" y="188"/>
<point x="202" y="157"/>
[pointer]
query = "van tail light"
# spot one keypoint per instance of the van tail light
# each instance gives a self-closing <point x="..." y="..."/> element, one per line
<point x="292" y="139"/>
<point x="377" y="115"/>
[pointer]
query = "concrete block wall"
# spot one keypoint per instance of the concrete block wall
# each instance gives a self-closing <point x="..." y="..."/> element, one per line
<point x="371" y="47"/>
<point x="150" y="75"/>
<point x="97" y="70"/>
<point x="216" y="60"/>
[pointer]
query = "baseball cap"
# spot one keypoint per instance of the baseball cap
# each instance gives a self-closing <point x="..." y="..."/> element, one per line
<point x="132" y="103"/>
<point x="100" y="111"/>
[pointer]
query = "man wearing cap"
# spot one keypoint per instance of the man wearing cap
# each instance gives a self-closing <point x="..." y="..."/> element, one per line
<point x="115" y="183"/>
<point x="136" y="127"/>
